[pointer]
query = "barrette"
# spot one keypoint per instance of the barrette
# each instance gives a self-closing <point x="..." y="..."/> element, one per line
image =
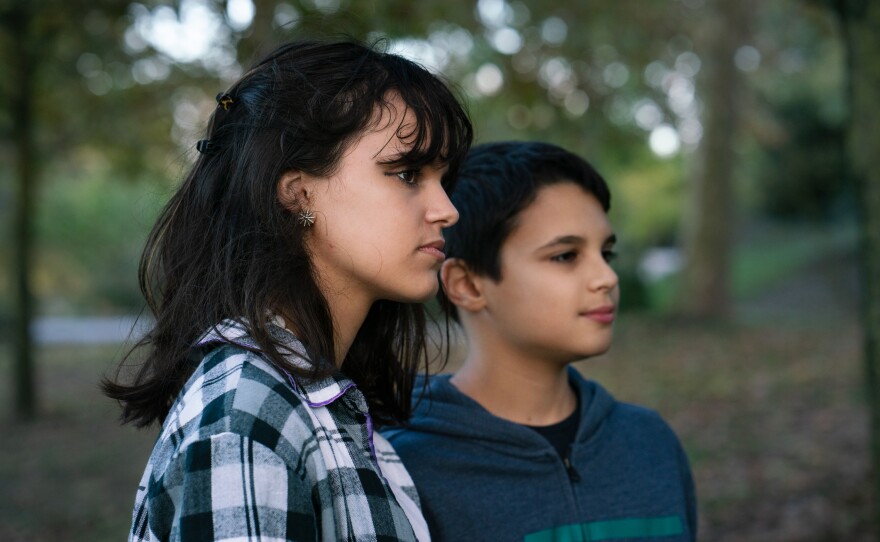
<point x="225" y="100"/>
<point x="205" y="146"/>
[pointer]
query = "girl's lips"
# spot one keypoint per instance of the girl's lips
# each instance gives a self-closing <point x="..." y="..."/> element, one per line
<point x="433" y="251"/>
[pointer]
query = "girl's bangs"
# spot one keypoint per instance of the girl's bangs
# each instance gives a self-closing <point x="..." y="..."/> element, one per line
<point x="442" y="133"/>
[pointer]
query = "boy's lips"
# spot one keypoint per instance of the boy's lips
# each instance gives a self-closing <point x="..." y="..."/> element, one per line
<point x="603" y="314"/>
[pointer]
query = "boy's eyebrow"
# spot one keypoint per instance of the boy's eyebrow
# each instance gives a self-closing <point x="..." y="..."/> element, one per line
<point x="565" y="240"/>
<point x="576" y="240"/>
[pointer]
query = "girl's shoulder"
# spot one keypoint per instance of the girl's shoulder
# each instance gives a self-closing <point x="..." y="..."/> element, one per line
<point x="234" y="390"/>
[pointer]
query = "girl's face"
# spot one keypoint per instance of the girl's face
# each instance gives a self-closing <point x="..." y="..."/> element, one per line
<point x="378" y="227"/>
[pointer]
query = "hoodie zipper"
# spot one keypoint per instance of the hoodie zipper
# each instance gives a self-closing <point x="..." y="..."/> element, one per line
<point x="572" y="473"/>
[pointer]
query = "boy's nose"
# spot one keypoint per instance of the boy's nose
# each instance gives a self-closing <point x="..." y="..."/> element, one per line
<point x="606" y="278"/>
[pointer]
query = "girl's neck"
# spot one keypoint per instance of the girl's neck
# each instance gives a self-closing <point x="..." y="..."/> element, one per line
<point x="347" y="318"/>
<point x="348" y="315"/>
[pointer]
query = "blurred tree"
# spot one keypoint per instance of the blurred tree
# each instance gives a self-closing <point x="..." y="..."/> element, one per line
<point x="861" y="22"/>
<point x="54" y="82"/>
<point x="17" y="21"/>
<point x="796" y="121"/>
<point x="708" y="223"/>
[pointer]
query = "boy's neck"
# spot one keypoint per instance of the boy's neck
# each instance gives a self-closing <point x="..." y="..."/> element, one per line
<point x="516" y="388"/>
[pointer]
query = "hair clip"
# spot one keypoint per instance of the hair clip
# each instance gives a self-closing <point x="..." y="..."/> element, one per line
<point x="225" y="100"/>
<point x="205" y="146"/>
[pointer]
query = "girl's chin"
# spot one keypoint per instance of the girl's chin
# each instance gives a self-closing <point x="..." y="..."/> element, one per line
<point x="416" y="296"/>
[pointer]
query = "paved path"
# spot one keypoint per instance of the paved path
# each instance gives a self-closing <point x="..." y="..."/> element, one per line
<point x="109" y="329"/>
<point x="87" y="330"/>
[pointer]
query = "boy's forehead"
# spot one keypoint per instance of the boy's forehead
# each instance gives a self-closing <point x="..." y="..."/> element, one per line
<point x="561" y="209"/>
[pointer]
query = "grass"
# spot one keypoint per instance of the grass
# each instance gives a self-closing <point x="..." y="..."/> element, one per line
<point x="72" y="473"/>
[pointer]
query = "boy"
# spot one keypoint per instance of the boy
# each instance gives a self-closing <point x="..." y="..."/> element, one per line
<point x="516" y="445"/>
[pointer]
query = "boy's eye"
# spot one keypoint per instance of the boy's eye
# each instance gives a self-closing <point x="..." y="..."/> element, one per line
<point x="565" y="257"/>
<point x="609" y="255"/>
<point x="407" y="176"/>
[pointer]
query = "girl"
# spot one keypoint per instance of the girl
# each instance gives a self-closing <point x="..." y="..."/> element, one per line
<point x="282" y="277"/>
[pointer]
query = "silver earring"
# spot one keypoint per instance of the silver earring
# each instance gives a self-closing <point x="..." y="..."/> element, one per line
<point x="305" y="218"/>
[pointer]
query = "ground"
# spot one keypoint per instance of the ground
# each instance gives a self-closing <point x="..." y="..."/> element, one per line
<point x="770" y="408"/>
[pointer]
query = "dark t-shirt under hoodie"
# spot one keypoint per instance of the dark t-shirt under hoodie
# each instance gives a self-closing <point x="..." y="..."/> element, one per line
<point x="482" y="478"/>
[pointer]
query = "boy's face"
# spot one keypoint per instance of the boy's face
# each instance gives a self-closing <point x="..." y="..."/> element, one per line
<point x="558" y="295"/>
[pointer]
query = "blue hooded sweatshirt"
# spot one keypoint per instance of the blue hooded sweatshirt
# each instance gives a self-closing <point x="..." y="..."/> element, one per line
<point x="479" y="477"/>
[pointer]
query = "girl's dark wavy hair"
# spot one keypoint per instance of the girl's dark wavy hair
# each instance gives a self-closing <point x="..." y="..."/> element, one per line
<point x="225" y="247"/>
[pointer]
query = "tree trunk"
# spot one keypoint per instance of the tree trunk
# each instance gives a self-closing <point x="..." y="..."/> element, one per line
<point x="861" y="21"/>
<point x="23" y="136"/>
<point x="262" y="36"/>
<point x="707" y="225"/>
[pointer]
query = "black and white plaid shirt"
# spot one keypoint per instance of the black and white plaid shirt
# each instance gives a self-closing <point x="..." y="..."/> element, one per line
<point x="247" y="453"/>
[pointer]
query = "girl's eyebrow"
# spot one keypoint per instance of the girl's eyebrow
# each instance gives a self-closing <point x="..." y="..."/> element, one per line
<point x="412" y="159"/>
<point x="395" y="158"/>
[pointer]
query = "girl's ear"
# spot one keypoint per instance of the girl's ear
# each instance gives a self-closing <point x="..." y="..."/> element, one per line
<point x="462" y="286"/>
<point x="291" y="190"/>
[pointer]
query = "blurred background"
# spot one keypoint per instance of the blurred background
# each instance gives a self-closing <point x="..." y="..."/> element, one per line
<point x="724" y="128"/>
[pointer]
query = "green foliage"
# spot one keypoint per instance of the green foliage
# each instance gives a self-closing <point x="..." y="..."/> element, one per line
<point x="634" y="293"/>
<point x="804" y="174"/>
<point x="85" y="95"/>
<point x="797" y="126"/>
<point x="99" y="126"/>
<point x="647" y="201"/>
<point x="90" y="231"/>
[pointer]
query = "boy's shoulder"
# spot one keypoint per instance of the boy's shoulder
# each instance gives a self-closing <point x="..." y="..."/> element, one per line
<point x="640" y="424"/>
<point x="641" y="434"/>
<point x="628" y="419"/>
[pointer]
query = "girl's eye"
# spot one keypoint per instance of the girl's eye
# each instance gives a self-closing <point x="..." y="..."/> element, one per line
<point x="565" y="257"/>
<point x="407" y="176"/>
<point x="609" y="255"/>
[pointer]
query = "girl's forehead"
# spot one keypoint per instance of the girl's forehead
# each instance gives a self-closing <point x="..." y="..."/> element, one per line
<point x="403" y="134"/>
<point x="390" y="110"/>
<point x="393" y="119"/>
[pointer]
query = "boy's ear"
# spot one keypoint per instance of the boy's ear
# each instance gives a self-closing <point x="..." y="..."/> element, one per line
<point x="462" y="286"/>
<point x="291" y="190"/>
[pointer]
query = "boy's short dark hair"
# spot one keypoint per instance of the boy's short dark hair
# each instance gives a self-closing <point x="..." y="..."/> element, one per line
<point x="496" y="182"/>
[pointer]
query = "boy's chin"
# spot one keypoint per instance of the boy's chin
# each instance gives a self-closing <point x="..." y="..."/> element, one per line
<point x="592" y="352"/>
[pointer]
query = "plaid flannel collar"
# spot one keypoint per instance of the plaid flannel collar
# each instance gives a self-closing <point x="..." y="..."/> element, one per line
<point x="316" y="393"/>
